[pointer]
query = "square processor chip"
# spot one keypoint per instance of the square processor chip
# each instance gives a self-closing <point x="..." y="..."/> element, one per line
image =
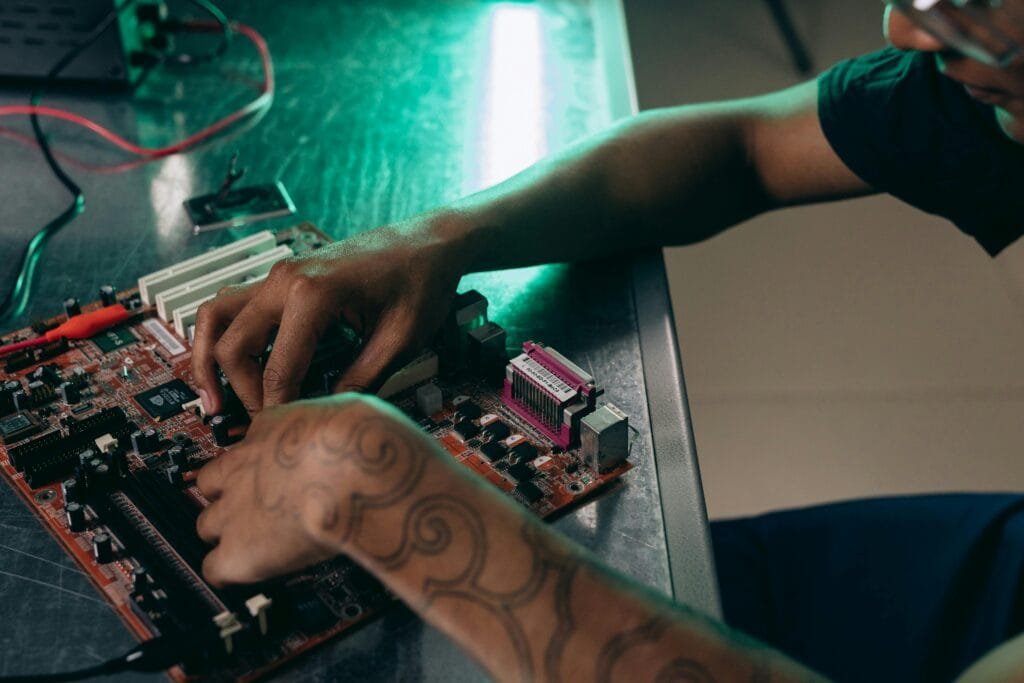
<point x="165" y="400"/>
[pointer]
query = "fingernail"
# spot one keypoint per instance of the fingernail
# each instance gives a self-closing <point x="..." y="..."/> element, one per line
<point x="205" y="398"/>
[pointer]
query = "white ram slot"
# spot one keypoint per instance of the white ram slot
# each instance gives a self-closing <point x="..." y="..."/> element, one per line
<point x="185" y="316"/>
<point x="250" y="268"/>
<point x="194" y="268"/>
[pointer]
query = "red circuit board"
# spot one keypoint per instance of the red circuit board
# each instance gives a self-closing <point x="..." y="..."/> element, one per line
<point x="327" y="599"/>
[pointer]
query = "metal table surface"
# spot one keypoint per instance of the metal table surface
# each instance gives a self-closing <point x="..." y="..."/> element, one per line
<point x="383" y="110"/>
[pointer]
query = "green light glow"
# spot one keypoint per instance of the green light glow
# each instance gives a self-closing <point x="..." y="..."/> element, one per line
<point x="512" y="132"/>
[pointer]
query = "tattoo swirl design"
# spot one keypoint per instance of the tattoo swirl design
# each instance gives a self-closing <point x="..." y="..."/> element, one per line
<point x="387" y="457"/>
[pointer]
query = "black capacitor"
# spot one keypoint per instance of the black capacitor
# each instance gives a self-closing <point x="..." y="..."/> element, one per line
<point x="176" y="456"/>
<point x="100" y="476"/>
<point x="140" y="579"/>
<point x="103" y="548"/>
<point x="85" y="456"/>
<point x="74" y="514"/>
<point x="174" y="477"/>
<point x="69" y="487"/>
<point x="107" y="295"/>
<point x="21" y="400"/>
<point x="69" y="393"/>
<point x="145" y="441"/>
<point x="72" y="307"/>
<point x="118" y="463"/>
<point x="219" y="427"/>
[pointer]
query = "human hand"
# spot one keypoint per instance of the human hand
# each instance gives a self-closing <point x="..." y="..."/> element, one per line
<point x="392" y="285"/>
<point x="293" y="492"/>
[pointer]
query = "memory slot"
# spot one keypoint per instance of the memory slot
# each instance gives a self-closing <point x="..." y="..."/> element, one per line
<point x="147" y="545"/>
<point x="194" y="268"/>
<point x="166" y="508"/>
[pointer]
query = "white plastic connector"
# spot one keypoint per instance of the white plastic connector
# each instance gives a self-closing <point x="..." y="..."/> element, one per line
<point x="258" y="606"/>
<point x="162" y="280"/>
<point x="422" y="368"/>
<point x="228" y="625"/>
<point x="202" y="288"/>
<point x="185" y="317"/>
<point x="105" y="443"/>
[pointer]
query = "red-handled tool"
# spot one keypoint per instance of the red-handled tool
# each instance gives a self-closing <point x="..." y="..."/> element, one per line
<point x="80" y="326"/>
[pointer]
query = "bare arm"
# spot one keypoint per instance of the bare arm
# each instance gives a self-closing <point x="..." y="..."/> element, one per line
<point x="353" y="476"/>
<point x="672" y="176"/>
<point x="666" y="177"/>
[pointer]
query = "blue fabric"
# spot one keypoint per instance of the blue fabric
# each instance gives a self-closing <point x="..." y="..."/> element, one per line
<point x="889" y="589"/>
<point x="906" y="129"/>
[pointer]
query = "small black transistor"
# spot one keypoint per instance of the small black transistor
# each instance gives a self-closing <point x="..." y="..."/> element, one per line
<point x="467" y="430"/>
<point x="497" y="430"/>
<point x="468" y="410"/>
<point x="521" y="472"/>
<point x="493" y="451"/>
<point x="526" y="452"/>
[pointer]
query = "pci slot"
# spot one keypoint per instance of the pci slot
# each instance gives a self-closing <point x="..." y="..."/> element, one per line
<point x="185" y="316"/>
<point x="194" y="268"/>
<point x="237" y="273"/>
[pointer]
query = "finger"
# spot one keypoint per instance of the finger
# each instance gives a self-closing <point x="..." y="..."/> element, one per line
<point x="239" y="349"/>
<point x="215" y="475"/>
<point x="302" y="325"/>
<point x="381" y="355"/>
<point x="212" y="318"/>
<point x="224" y="568"/>
<point x="237" y="560"/>
<point x="210" y="523"/>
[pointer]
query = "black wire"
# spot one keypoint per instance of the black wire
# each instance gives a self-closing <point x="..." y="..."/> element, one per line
<point x="155" y="654"/>
<point x="16" y="300"/>
<point x="187" y="59"/>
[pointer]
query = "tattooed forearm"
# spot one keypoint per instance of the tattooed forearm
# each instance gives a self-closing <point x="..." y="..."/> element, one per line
<point x="527" y="604"/>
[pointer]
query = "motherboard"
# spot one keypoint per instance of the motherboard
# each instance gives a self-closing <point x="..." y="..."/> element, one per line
<point x="102" y="438"/>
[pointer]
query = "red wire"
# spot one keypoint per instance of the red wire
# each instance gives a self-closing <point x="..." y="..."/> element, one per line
<point x="18" y="346"/>
<point x="265" y="98"/>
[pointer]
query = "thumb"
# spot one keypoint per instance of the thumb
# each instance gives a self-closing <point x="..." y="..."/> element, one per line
<point x="381" y="355"/>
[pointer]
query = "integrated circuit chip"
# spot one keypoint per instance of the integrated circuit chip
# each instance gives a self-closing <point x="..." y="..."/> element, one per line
<point x="165" y="400"/>
<point x="525" y="451"/>
<point x="529" y="491"/>
<point x="497" y="430"/>
<point x="468" y="410"/>
<point x="466" y="430"/>
<point x="18" y="426"/>
<point x="493" y="450"/>
<point x="113" y="339"/>
<point x="521" y="472"/>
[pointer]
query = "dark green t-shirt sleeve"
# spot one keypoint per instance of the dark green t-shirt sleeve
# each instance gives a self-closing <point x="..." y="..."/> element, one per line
<point x="907" y="130"/>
